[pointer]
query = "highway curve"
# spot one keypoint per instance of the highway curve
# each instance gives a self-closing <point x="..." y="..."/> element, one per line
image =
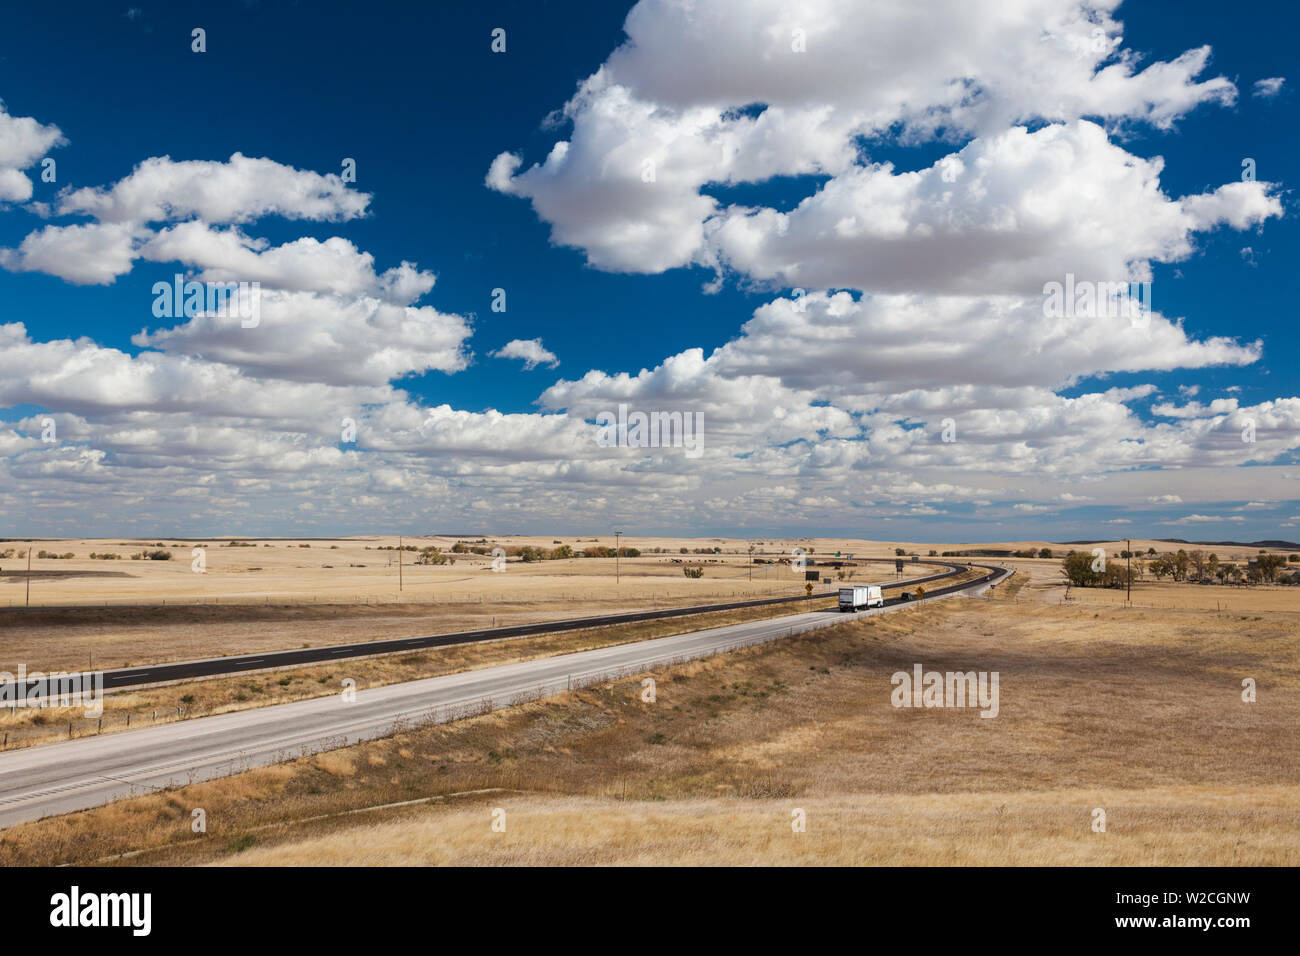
<point x="90" y="771"/>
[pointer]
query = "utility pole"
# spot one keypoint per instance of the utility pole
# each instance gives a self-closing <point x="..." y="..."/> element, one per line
<point x="617" y="549"/>
<point x="28" y="601"/>
<point x="399" y="562"/>
<point x="1128" y="549"/>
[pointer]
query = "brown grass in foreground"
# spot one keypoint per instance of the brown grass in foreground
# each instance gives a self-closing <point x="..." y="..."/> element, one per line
<point x="1155" y="826"/>
<point x="1137" y="712"/>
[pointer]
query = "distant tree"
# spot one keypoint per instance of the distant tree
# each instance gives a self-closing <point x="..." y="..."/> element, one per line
<point x="693" y="572"/>
<point x="900" y="552"/>
<point x="1199" y="561"/>
<point x="1077" y="568"/>
<point x="1044" y="552"/>
<point x="1269" y="565"/>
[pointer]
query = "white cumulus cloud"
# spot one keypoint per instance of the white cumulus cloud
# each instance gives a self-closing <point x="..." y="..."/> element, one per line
<point x="531" y="351"/>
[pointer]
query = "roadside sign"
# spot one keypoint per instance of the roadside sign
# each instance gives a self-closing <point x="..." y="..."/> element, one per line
<point x="920" y="592"/>
<point x="808" y="588"/>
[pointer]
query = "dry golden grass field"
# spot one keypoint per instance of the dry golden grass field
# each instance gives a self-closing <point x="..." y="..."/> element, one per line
<point x="277" y="593"/>
<point x="82" y="620"/>
<point x="354" y="571"/>
<point x="1136" y="711"/>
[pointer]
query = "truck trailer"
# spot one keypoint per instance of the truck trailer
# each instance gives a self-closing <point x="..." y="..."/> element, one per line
<point x="861" y="595"/>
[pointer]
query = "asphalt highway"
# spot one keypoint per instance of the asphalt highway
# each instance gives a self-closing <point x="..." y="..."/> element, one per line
<point x="77" y="774"/>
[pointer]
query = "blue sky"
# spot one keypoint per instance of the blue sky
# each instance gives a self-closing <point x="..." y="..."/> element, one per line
<point x="419" y="100"/>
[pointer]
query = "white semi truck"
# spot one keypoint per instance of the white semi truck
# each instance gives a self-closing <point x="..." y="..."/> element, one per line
<point x="861" y="595"/>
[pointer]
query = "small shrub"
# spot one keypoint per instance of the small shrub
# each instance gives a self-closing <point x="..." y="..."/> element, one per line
<point x="241" y="844"/>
